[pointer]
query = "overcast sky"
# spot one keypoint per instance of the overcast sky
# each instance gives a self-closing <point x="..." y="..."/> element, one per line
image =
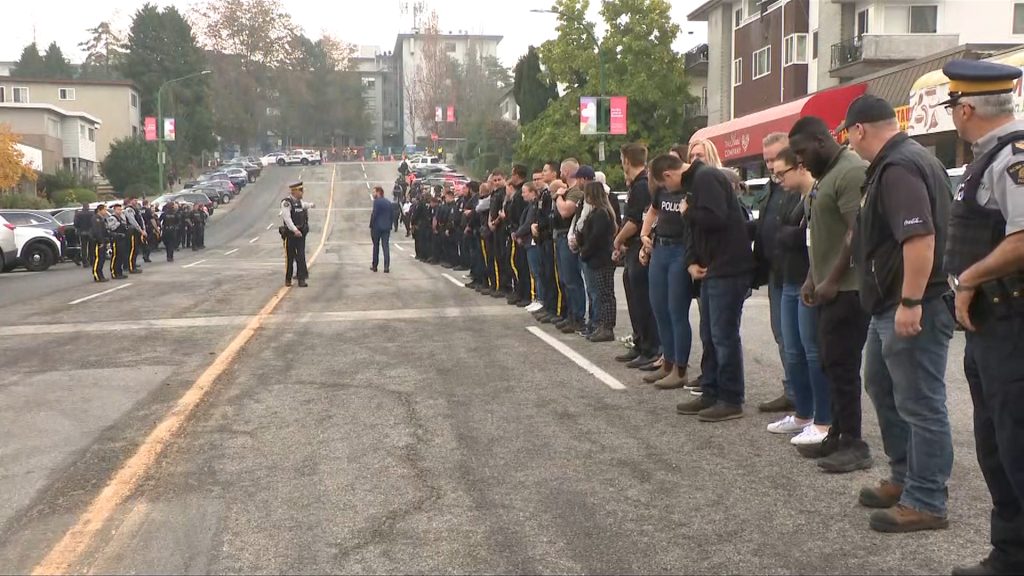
<point x="66" y="21"/>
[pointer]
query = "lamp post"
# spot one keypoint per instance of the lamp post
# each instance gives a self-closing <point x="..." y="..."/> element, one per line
<point x="160" y="125"/>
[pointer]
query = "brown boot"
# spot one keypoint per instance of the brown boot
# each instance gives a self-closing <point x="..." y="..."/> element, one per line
<point x="885" y="495"/>
<point x="901" y="518"/>
<point x="677" y="379"/>
<point x="657" y="375"/>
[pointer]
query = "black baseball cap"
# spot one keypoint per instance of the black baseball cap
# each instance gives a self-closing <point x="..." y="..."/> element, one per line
<point x="865" y="110"/>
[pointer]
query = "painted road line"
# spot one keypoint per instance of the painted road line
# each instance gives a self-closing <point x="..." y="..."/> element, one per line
<point x="230" y="252"/>
<point x="453" y="280"/>
<point x="399" y="246"/>
<point x="580" y="361"/>
<point x="193" y="264"/>
<point x="63" y="556"/>
<point x="269" y="226"/>
<point x="253" y="241"/>
<point x="98" y="294"/>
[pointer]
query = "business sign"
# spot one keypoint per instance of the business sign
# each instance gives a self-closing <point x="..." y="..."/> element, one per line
<point x="618" y="123"/>
<point x="438" y="114"/>
<point x="150" y="128"/>
<point x="169" y="129"/>
<point x="451" y="113"/>
<point x="588" y="115"/>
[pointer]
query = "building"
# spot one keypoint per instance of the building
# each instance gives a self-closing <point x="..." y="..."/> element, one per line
<point x="696" y="66"/>
<point x="508" y="108"/>
<point x="6" y="67"/>
<point x="408" y="62"/>
<point x="65" y="139"/>
<point x="375" y="72"/>
<point x="115" y="103"/>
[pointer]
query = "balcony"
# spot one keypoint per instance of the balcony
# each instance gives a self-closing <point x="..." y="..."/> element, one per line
<point x="696" y="61"/>
<point x="870" y="53"/>
<point x="696" y="110"/>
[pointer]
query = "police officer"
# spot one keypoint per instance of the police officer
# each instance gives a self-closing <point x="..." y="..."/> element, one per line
<point x="83" y="227"/>
<point x="295" y="212"/>
<point x="98" y="243"/>
<point x="136" y="235"/>
<point x="117" y="225"/>
<point x="185" y="237"/>
<point x="984" y="257"/>
<point x="170" y="226"/>
<point x="152" y="229"/>
<point x="197" y="220"/>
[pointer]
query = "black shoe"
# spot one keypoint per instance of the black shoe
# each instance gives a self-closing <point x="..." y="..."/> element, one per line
<point x="146" y="260"/>
<point x="694" y="407"/>
<point x="121" y="277"/>
<point x="498" y="294"/>
<point x="570" y="327"/>
<point x="628" y="356"/>
<point x="650" y="367"/>
<point x="720" y="412"/>
<point x="549" y="319"/>
<point x="639" y="360"/>
<point x="387" y="270"/>
<point x="136" y="271"/>
<point x="288" y="283"/>
<point x="780" y="404"/>
<point x="373" y="268"/>
<point x="485" y="292"/>
<point x="523" y="303"/>
<point x="302" y="284"/>
<point x="602" y="335"/>
<point x="102" y="280"/>
<point x="827" y="447"/>
<point x="986" y="567"/>
<point x="471" y="285"/>
<point x="851" y="456"/>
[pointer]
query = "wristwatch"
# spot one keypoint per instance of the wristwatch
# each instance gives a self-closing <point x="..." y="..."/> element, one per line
<point x="910" y="302"/>
<point x="959" y="287"/>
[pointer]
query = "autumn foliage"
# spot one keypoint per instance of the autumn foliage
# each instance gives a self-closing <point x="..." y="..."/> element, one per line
<point x="12" y="162"/>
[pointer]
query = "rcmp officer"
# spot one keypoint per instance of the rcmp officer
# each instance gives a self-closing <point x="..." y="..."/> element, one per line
<point x="117" y="225"/>
<point x="152" y="230"/>
<point x="198" y="221"/>
<point x="99" y="235"/>
<point x="984" y="257"/>
<point x="136" y="235"/>
<point x="295" y="212"/>
<point x="170" y="225"/>
<point x="83" y="227"/>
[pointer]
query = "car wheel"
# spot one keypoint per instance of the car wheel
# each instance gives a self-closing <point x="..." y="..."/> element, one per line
<point x="225" y="199"/>
<point x="305" y="161"/>
<point x="38" y="257"/>
<point x="281" y="162"/>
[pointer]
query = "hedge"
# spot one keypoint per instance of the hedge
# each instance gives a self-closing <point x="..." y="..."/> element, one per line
<point x="24" y="201"/>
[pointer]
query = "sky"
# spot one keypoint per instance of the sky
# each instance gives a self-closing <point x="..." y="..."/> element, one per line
<point x="370" y="23"/>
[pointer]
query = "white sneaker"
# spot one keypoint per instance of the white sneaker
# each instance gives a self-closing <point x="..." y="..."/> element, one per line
<point x="534" y="306"/>
<point x="787" y="425"/>
<point x="809" y="437"/>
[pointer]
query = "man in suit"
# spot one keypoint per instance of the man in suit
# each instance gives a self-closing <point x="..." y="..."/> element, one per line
<point x="380" y="228"/>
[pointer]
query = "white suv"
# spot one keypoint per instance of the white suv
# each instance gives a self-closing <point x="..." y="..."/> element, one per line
<point x="32" y="247"/>
<point x="304" y="157"/>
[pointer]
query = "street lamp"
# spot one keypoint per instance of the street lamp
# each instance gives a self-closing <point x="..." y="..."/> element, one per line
<point x="160" y="124"/>
<point x="590" y="33"/>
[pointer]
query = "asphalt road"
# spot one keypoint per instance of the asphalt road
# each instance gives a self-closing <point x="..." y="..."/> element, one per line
<point x="395" y="424"/>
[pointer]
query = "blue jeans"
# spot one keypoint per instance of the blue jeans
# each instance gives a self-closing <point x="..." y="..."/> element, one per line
<point x="381" y="238"/>
<point x="590" y="279"/>
<point x="572" y="278"/>
<point x="775" y="315"/>
<point x="670" y="287"/>
<point x="906" y="380"/>
<point x="533" y="256"/>
<point x="722" y="302"/>
<point x="804" y="372"/>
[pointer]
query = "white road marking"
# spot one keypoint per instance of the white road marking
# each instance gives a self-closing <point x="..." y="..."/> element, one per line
<point x="363" y="166"/>
<point x="254" y="240"/>
<point x="98" y="294"/>
<point x="580" y="361"/>
<point x="230" y="252"/>
<point x="269" y="226"/>
<point x="193" y="264"/>
<point x="399" y="246"/>
<point x="452" y="280"/>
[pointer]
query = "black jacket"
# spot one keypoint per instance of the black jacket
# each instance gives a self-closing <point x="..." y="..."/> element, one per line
<point x="718" y="238"/>
<point x="790" y="259"/>
<point x="595" y="239"/>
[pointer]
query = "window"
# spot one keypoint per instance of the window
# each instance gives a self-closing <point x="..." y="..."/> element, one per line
<point x="814" y="45"/>
<point x="82" y="131"/>
<point x="66" y="94"/>
<point x="369" y="83"/>
<point x="762" y="65"/>
<point x="737" y="72"/>
<point x="53" y="127"/>
<point x="795" y="49"/>
<point x="921" y="19"/>
<point x="3" y="94"/>
<point x="92" y="134"/>
<point x="20" y="95"/>
<point x="134" y="100"/>
<point x="449" y="47"/>
<point x="1018" y="20"/>
<point x="737" y="17"/>
<point x="863" y="18"/>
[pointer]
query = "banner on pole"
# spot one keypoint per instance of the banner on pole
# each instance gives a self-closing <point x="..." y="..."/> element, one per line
<point x="588" y="115"/>
<point x="451" y="114"/>
<point x="169" y="129"/>
<point x="618" y="124"/>
<point x="438" y="114"/>
<point x="149" y="128"/>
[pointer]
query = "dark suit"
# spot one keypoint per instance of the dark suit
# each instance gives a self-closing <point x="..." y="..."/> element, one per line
<point x="380" y="230"/>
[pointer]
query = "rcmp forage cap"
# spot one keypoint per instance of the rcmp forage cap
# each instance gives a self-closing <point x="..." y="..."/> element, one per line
<point x="295" y="185"/>
<point x="865" y="110"/>
<point x="978" y="78"/>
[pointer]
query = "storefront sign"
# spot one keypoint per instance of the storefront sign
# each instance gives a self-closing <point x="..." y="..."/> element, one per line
<point x="903" y="117"/>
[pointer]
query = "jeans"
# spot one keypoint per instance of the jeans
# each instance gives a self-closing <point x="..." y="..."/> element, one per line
<point x="670" y="299"/>
<point x="381" y="238"/>
<point x="722" y="300"/>
<point x="590" y="280"/>
<point x="533" y="256"/>
<point x="804" y="373"/>
<point x="906" y="380"/>
<point x="843" y="327"/>
<point x="775" y="315"/>
<point x="636" y="283"/>
<point x="572" y="278"/>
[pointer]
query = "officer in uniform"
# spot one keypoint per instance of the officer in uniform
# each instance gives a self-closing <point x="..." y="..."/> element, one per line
<point x="295" y="212"/>
<point x="984" y="258"/>
<point x="185" y="237"/>
<point x="136" y="235"/>
<point x="98" y="243"/>
<point x="197" y="219"/>
<point x="117" y="225"/>
<point x="170" y="225"/>
<point x="149" y="224"/>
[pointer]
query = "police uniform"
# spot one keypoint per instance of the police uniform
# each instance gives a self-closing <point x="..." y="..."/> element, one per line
<point x="117" y="225"/>
<point x="170" y="224"/>
<point x="152" y="236"/>
<point x="98" y="244"/>
<point x="136" y="228"/>
<point x="987" y="207"/>
<point x="295" y="214"/>
<point x="198" y="221"/>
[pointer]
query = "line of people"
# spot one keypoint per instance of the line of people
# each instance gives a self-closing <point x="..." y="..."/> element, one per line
<point x="123" y="232"/>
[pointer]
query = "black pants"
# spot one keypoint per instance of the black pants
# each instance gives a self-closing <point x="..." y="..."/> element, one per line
<point x="606" y="304"/>
<point x="198" y="237"/>
<point x="134" y="245"/>
<point x="146" y="245"/>
<point x="524" y="282"/>
<point x="994" y="366"/>
<point x="554" y="299"/>
<point x="119" y="256"/>
<point x="490" y="265"/>
<point x="97" y="259"/>
<point x="295" y="251"/>
<point x="170" y="242"/>
<point x="638" y="301"/>
<point x="396" y="211"/>
<point x="842" y="332"/>
<point x="503" y="264"/>
<point x="186" y="238"/>
<point x="87" y="249"/>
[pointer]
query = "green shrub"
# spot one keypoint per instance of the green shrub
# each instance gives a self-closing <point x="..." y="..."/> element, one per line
<point x="24" y="201"/>
<point x="73" y="197"/>
<point x="138" y="190"/>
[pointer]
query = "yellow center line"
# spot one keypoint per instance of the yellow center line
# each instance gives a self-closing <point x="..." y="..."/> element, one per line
<point x="122" y="484"/>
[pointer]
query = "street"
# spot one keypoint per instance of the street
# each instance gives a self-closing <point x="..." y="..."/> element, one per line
<point x="396" y="423"/>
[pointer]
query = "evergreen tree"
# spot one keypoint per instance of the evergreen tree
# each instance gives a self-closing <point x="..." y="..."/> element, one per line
<point x="532" y="92"/>
<point x="31" y="64"/>
<point x="55" y="65"/>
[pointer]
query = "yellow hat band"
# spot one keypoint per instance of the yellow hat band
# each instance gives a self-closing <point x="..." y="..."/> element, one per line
<point x="968" y="87"/>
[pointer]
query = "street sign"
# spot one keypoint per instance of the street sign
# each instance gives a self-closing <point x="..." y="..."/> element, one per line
<point x="169" y="129"/>
<point x="150" y="128"/>
<point x="600" y="151"/>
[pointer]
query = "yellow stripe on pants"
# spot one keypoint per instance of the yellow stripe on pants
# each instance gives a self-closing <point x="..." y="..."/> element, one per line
<point x="558" y="285"/>
<point x="512" y="263"/>
<point x="113" y="257"/>
<point x="96" y="263"/>
<point x="131" y="256"/>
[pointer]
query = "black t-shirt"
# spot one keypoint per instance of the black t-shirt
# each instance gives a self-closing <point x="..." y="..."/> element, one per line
<point x="638" y="200"/>
<point x="906" y="204"/>
<point x="670" y="220"/>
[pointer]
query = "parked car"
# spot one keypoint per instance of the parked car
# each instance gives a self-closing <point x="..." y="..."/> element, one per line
<point x="217" y="195"/>
<point x="33" y="246"/>
<point x="272" y="158"/>
<point x="238" y="174"/>
<point x="223" y="185"/>
<point x="239" y="179"/>
<point x="252" y="170"/>
<point x="303" y="157"/>
<point x="190" y="197"/>
<point x="421" y="161"/>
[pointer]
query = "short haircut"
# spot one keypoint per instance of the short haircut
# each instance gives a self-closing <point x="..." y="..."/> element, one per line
<point x="570" y="162"/>
<point x="529" y="185"/>
<point x="991" y="105"/>
<point x="498" y="172"/>
<point x="520" y="170"/>
<point x="774" y="138"/>
<point x="554" y="166"/>
<point x="663" y="163"/>
<point x="788" y="156"/>
<point x="683" y="150"/>
<point x="473" y="186"/>
<point x="811" y="127"/>
<point x="635" y="154"/>
<point x="378" y="189"/>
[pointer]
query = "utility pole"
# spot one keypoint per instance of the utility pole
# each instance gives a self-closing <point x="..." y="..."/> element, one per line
<point x="160" y="125"/>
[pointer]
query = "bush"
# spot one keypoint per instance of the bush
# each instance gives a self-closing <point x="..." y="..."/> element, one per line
<point x="24" y="201"/>
<point x="62" y="180"/>
<point x="73" y="196"/>
<point x="138" y="190"/>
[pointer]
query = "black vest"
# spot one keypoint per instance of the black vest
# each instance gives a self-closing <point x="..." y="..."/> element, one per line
<point x="879" y="256"/>
<point x="975" y="230"/>
<point x="300" y="217"/>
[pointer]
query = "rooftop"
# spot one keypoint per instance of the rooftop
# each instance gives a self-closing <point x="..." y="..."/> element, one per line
<point x="69" y="82"/>
<point x="50" y="108"/>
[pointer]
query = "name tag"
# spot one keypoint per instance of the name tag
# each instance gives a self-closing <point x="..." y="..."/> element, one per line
<point x="808" y="237"/>
<point x="757" y="214"/>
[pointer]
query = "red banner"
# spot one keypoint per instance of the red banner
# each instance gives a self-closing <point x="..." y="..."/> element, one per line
<point x="150" y="128"/>
<point x="618" y="124"/>
<point x="451" y="113"/>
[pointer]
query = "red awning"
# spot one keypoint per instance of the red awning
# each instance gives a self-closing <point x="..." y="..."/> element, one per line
<point x="741" y="137"/>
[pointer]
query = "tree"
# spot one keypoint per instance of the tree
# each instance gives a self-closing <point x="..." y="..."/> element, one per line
<point x="12" y="161"/>
<point x="55" y="65"/>
<point x="260" y="32"/>
<point x="104" y="52"/>
<point x="31" y="64"/>
<point x="431" y="77"/>
<point x="130" y="164"/>
<point x="532" y="91"/>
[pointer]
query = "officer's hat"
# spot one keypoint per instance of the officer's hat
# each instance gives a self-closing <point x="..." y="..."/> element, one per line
<point x="295" y="185"/>
<point x="978" y="78"/>
<point x="101" y="207"/>
<point x="115" y="205"/>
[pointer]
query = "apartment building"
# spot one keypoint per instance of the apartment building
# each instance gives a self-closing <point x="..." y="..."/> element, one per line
<point x="65" y="139"/>
<point x="114" y="103"/>
<point x="380" y="96"/>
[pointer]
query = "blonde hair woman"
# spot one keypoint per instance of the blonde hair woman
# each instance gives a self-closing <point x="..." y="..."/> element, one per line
<point x="705" y="151"/>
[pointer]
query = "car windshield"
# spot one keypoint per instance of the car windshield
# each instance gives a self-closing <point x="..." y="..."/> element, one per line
<point x="65" y="217"/>
<point x="25" y="218"/>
